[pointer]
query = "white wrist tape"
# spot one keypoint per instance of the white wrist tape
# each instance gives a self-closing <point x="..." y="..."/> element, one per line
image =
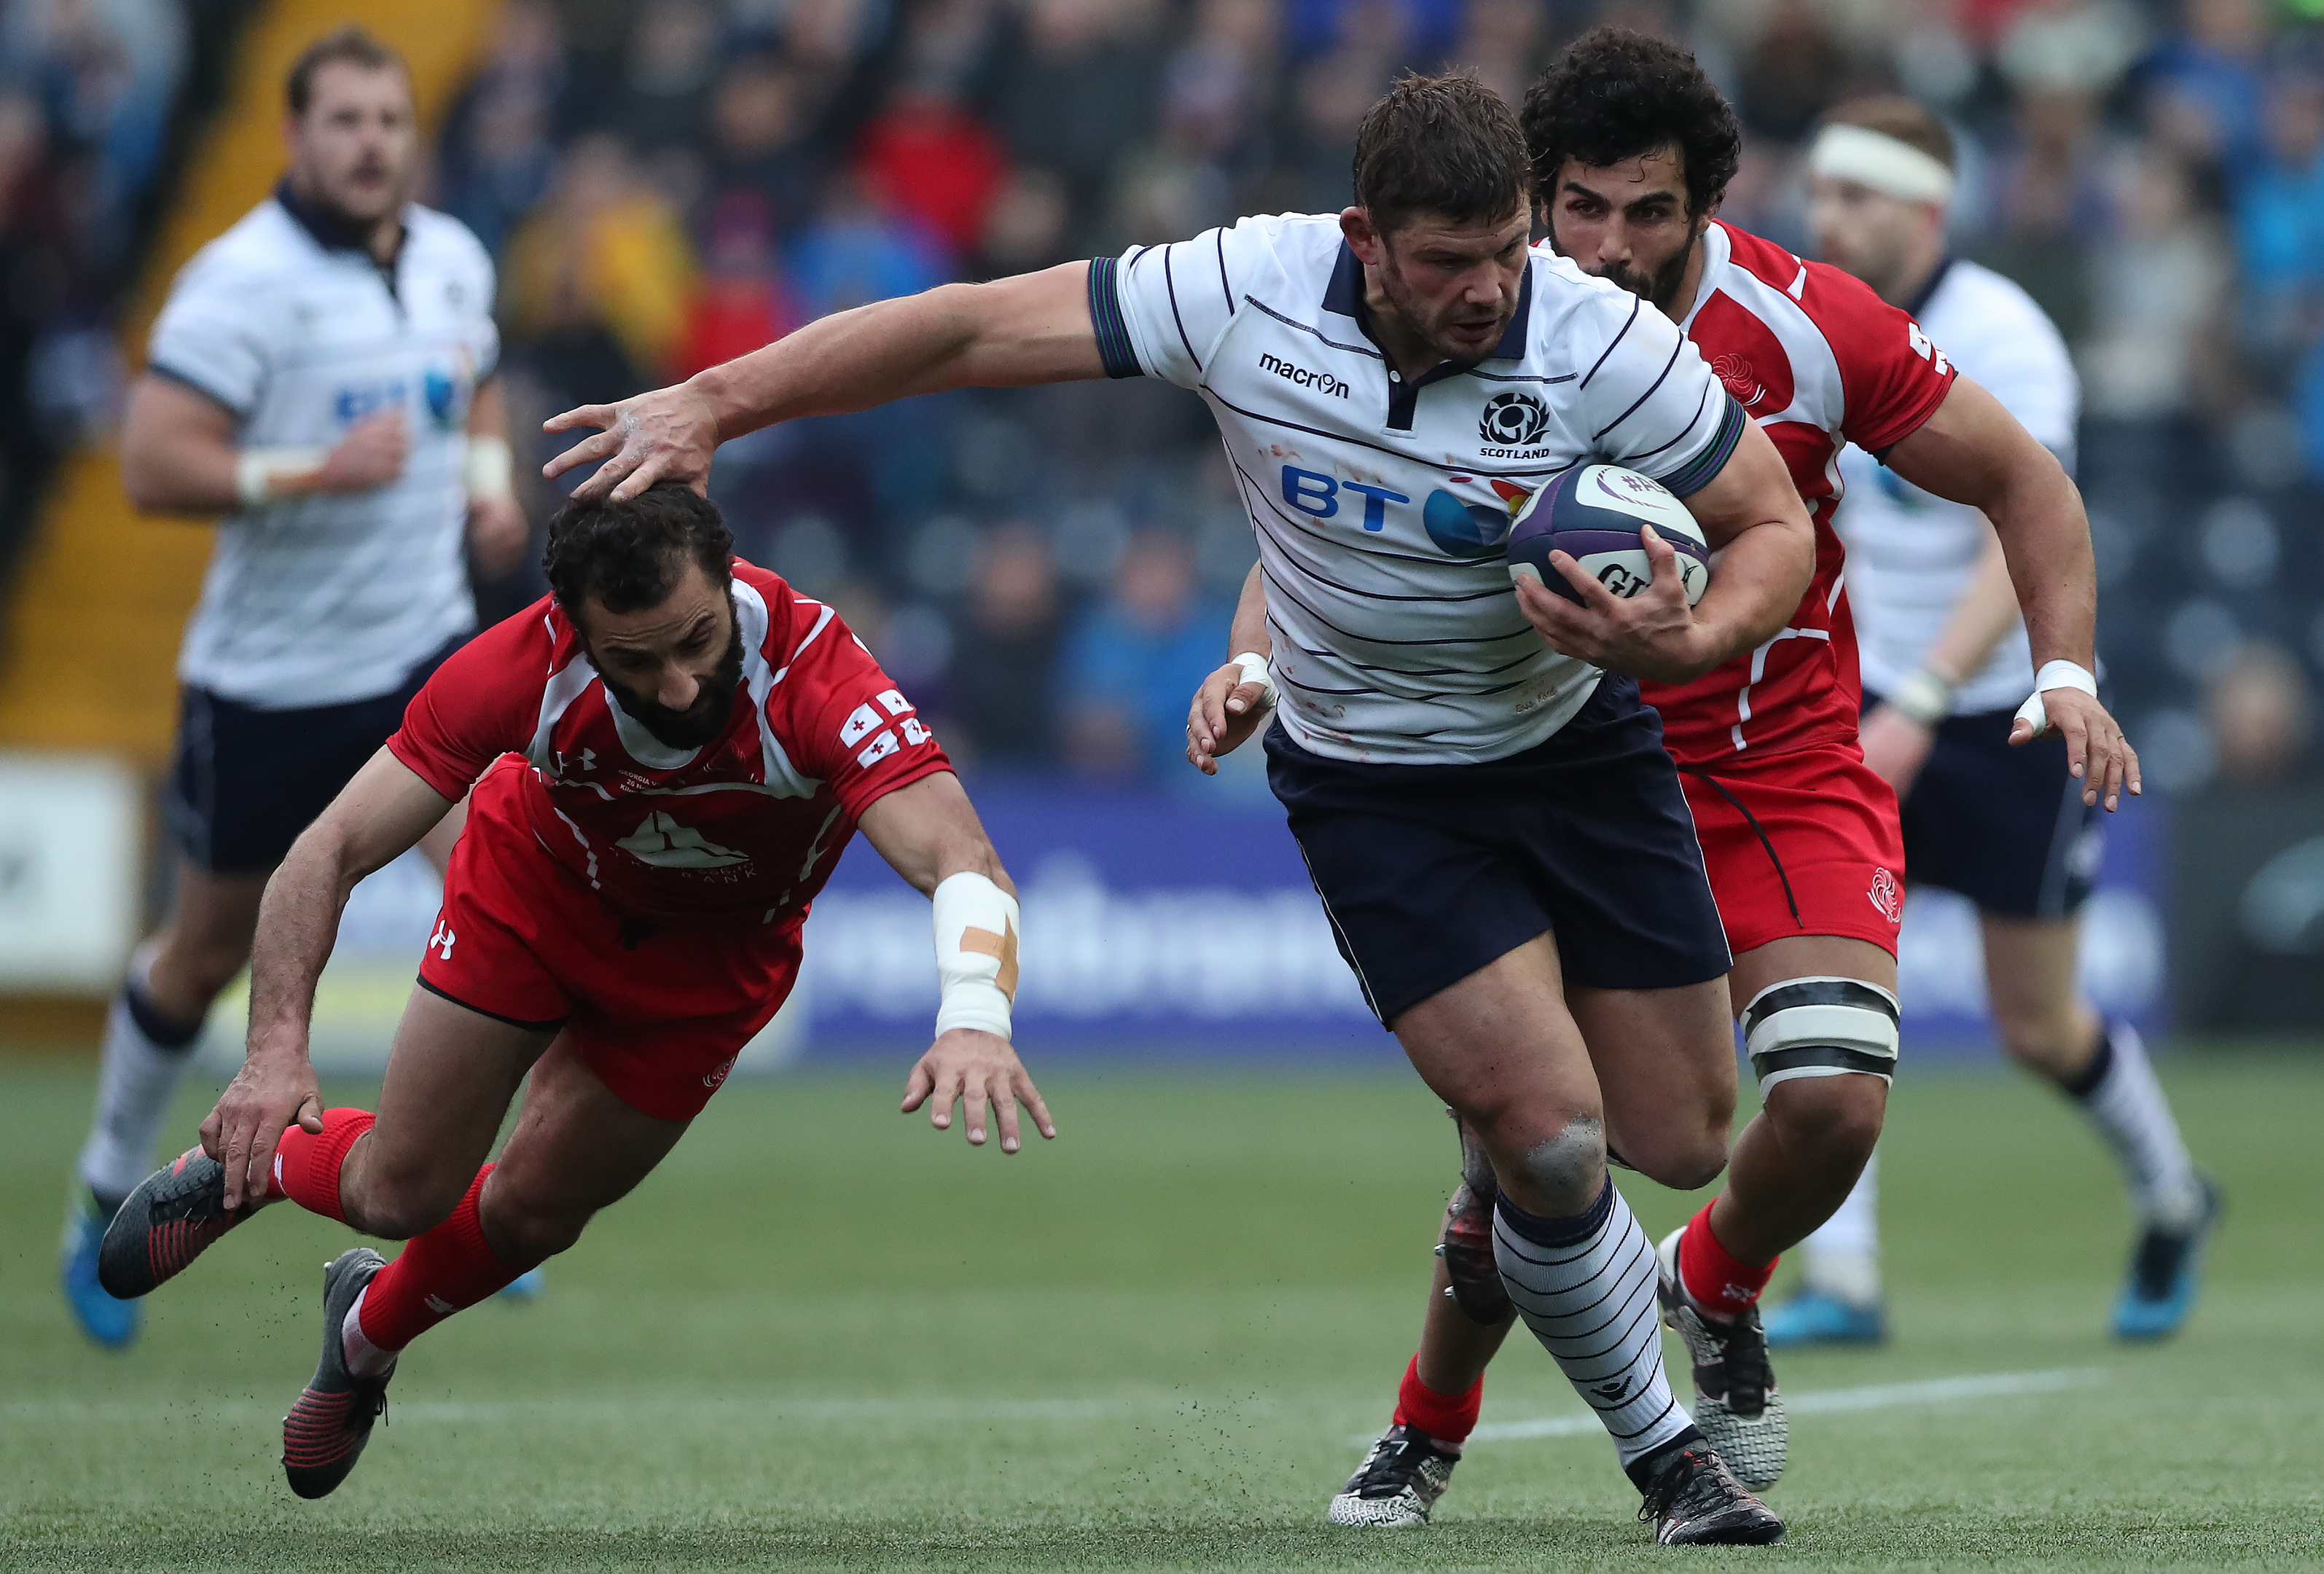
<point x="1865" y="157"/>
<point x="2071" y="674"/>
<point x="1254" y="670"/>
<point x="256" y="470"/>
<point x="490" y="469"/>
<point x="1922" y="696"/>
<point x="976" y="955"/>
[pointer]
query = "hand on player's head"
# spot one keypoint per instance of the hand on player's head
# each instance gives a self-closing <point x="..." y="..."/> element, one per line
<point x="666" y="435"/>
<point x="974" y="1070"/>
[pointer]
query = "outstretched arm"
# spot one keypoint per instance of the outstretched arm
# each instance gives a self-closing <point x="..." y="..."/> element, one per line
<point x="929" y="833"/>
<point x="383" y="811"/>
<point x="1034" y="327"/>
<point x="1973" y="451"/>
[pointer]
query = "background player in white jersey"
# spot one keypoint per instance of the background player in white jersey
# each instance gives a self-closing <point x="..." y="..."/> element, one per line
<point x="1945" y="663"/>
<point x="1496" y="833"/>
<point x="321" y="375"/>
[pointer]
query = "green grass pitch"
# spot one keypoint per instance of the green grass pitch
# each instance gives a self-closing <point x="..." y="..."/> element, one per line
<point x="822" y="1337"/>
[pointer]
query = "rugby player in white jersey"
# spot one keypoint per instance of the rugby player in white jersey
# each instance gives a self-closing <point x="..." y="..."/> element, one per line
<point x="1946" y="662"/>
<point x="322" y="376"/>
<point x="1633" y="147"/>
<point x="1496" y="833"/>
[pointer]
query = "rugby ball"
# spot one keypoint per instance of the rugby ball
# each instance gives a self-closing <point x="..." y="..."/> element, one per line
<point x="1592" y="513"/>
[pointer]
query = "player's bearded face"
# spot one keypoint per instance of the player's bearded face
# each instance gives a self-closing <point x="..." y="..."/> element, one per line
<point x="352" y="152"/>
<point x="1456" y="287"/>
<point x="1628" y="223"/>
<point x="697" y="723"/>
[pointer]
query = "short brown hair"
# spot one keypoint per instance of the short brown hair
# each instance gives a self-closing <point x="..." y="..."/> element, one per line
<point x="342" y="46"/>
<point x="1439" y="144"/>
<point x="1893" y="115"/>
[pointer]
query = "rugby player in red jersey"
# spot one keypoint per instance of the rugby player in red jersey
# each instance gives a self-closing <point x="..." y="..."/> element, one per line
<point x="1633" y="148"/>
<point x="667" y="755"/>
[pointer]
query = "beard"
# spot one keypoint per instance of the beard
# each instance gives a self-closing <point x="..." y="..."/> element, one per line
<point x="1658" y="288"/>
<point x="700" y="722"/>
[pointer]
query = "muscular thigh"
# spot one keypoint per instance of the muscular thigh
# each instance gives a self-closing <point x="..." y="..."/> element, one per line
<point x="1665" y="1063"/>
<point x="449" y="1080"/>
<point x="578" y="1147"/>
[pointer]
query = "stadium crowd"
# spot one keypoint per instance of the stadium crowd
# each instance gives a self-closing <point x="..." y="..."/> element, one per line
<point x="666" y="184"/>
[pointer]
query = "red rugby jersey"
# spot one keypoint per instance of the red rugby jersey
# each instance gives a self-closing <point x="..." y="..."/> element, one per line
<point x="1820" y="361"/>
<point x="746" y="828"/>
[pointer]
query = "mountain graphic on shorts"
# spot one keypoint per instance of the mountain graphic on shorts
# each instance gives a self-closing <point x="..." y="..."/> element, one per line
<point x="663" y="842"/>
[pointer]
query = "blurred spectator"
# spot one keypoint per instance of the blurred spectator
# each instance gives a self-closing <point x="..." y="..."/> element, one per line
<point x="1024" y="228"/>
<point x="2157" y="295"/>
<point x="759" y="139"/>
<point x="1077" y="89"/>
<point x="104" y="71"/>
<point x="855" y="251"/>
<point x="738" y="305"/>
<point x="1000" y="688"/>
<point x="934" y="162"/>
<point x="2279" y="224"/>
<point x="2261" y="713"/>
<point x="598" y="278"/>
<point x="2202" y="86"/>
<point x="671" y="58"/>
<point x="1134" y="658"/>
<point x="1501" y="41"/>
<point x="1794" y="71"/>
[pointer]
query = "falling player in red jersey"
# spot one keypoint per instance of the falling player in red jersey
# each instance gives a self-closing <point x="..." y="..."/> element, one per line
<point x="1633" y="147"/>
<point x="668" y="755"/>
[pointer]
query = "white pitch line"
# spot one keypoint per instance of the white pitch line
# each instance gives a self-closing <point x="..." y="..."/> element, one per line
<point x="1829" y="1401"/>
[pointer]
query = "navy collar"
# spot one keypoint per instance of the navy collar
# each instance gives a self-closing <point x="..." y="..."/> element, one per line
<point x="1345" y="295"/>
<point x="329" y="230"/>
<point x="1920" y="303"/>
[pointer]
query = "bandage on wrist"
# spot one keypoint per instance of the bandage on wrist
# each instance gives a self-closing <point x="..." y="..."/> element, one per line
<point x="2071" y="674"/>
<point x="1254" y="670"/>
<point x="976" y="955"/>
<point x="258" y="472"/>
<point x="1923" y="696"/>
<point x="489" y="472"/>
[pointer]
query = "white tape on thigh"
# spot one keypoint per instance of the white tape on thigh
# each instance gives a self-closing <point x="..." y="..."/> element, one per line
<point x="976" y="955"/>
<point x="1824" y="1026"/>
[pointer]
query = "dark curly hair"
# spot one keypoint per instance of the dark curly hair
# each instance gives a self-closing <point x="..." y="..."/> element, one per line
<point x="630" y="556"/>
<point x="1613" y="93"/>
<point x="1443" y="144"/>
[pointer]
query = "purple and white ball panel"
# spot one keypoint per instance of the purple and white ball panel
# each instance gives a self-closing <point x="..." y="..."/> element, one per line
<point x="1592" y="514"/>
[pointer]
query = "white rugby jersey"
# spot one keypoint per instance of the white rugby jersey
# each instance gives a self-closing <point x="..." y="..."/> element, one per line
<point x="1910" y="554"/>
<point x="329" y="599"/>
<point x="1382" y="505"/>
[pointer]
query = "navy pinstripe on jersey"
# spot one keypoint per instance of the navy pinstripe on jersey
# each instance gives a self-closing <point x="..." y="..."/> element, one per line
<point x="1381" y="503"/>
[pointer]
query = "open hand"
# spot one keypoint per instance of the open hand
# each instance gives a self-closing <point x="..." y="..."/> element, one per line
<point x="2096" y="753"/>
<point x="666" y="435"/>
<point x="975" y="1069"/>
<point x="1652" y="634"/>
<point x="1226" y="710"/>
<point x="272" y="1089"/>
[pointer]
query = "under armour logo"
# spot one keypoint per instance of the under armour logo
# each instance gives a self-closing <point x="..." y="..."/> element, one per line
<point x="440" y="943"/>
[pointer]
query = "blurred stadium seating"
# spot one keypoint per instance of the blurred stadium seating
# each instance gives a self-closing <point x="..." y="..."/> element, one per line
<point x="668" y="182"/>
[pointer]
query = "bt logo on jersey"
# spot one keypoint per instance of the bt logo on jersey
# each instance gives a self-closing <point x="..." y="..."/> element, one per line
<point x="1457" y="529"/>
<point x="1314" y="493"/>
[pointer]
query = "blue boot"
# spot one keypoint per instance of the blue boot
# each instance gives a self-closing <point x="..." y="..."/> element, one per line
<point x="2166" y="1271"/>
<point x="526" y="1286"/>
<point x="107" y="1322"/>
<point x="1812" y="1317"/>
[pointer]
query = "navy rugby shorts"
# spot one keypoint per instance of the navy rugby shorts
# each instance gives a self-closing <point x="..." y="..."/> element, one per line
<point x="1428" y="872"/>
<point x="2005" y="827"/>
<point x="247" y="781"/>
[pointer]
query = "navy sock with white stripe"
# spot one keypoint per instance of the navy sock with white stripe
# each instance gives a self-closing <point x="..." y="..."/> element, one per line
<point x="1585" y="1286"/>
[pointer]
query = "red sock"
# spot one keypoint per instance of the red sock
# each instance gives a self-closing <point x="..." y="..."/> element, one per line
<point x="447" y="1270"/>
<point x="1445" y="1417"/>
<point x="1721" y="1283"/>
<point x="307" y="1167"/>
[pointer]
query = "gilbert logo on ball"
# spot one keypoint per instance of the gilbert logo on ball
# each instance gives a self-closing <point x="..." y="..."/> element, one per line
<point x="1592" y="513"/>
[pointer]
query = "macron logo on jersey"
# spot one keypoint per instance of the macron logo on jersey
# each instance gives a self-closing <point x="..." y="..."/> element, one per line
<point x="1301" y="377"/>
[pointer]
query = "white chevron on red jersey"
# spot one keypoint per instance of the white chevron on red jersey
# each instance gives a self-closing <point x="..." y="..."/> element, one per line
<point x="746" y="828"/>
<point x="1820" y="361"/>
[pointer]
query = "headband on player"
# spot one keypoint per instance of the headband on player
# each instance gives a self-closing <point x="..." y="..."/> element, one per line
<point x="1871" y="158"/>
